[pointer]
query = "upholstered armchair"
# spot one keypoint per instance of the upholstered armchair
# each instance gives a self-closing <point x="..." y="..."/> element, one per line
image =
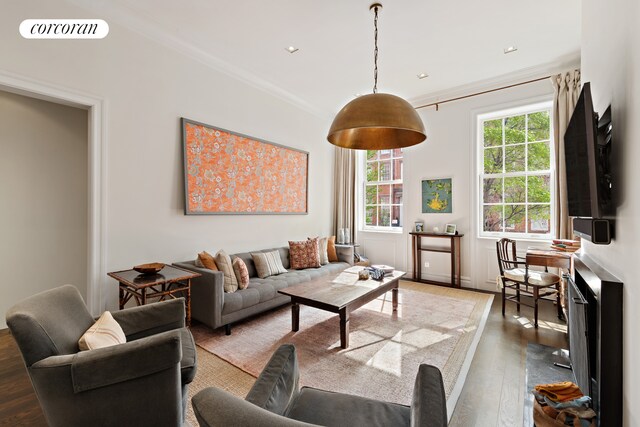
<point x="142" y="382"/>
<point x="276" y="401"/>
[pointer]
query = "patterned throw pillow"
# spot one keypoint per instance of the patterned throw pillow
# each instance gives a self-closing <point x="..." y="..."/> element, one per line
<point x="322" y="249"/>
<point x="104" y="333"/>
<point x="223" y="261"/>
<point x="205" y="260"/>
<point x="332" y="255"/>
<point x="241" y="272"/>
<point x="304" y="254"/>
<point x="268" y="263"/>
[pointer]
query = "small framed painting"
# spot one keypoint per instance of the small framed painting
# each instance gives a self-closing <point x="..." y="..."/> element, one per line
<point x="419" y="227"/>
<point x="437" y="195"/>
<point x="450" y="229"/>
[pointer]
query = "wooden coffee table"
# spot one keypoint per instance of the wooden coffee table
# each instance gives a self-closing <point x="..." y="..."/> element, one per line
<point x="340" y="293"/>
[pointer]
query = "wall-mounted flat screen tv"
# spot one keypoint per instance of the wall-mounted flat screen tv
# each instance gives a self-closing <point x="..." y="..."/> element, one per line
<point x="588" y="185"/>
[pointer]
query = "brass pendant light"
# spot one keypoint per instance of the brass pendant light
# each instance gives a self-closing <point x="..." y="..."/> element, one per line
<point x="379" y="120"/>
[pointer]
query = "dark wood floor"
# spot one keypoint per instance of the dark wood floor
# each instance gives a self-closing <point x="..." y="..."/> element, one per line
<point x="18" y="403"/>
<point x="493" y="392"/>
<point x="492" y="395"/>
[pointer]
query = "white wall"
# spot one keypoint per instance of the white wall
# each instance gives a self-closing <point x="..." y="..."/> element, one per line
<point x="43" y="171"/>
<point x="449" y="152"/>
<point x="147" y="88"/>
<point x="610" y="61"/>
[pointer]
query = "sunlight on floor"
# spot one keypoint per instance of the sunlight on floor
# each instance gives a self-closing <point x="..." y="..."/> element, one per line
<point x="388" y="352"/>
<point x="542" y="324"/>
<point x="383" y="304"/>
<point x="389" y="357"/>
<point x="423" y="338"/>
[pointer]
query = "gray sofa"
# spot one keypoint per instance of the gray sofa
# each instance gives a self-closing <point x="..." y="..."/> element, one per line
<point x="276" y="400"/>
<point x="215" y="308"/>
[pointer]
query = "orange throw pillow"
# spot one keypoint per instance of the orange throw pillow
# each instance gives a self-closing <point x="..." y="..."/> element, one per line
<point x="331" y="249"/>
<point x="206" y="259"/>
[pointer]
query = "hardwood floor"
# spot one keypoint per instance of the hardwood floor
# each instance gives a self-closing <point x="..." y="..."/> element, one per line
<point x="18" y="403"/>
<point x="493" y="392"/>
<point x="492" y="395"/>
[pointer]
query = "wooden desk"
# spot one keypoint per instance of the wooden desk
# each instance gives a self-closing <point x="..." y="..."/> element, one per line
<point x="453" y="249"/>
<point x="555" y="259"/>
<point x="165" y="284"/>
<point x="550" y="258"/>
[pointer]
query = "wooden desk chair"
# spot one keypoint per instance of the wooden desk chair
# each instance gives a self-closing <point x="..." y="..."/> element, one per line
<point x="539" y="285"/>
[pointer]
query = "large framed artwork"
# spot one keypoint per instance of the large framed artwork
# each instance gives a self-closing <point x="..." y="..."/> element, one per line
<point x="437" y="195"/>
<point x="229" y="173"/>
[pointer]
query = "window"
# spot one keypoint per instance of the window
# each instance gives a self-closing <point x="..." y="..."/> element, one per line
<point x="517" y="173"/>
<point x="383" y="189"/>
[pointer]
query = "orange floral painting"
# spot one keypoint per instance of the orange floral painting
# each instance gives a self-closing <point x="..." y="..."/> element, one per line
<point x="229" y="173"/>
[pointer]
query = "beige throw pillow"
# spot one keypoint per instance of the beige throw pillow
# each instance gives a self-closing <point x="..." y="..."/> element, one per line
<point x="104" y="333"/>
<point x="223" y="261"/>
<point x="322" y="250"/>
<point x="268" y="263"/>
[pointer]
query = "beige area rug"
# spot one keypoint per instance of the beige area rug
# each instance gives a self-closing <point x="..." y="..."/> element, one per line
<point x="215" y="372"/>
<point x="435" y="325"/>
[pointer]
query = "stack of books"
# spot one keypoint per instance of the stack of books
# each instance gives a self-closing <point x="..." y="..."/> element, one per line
<point x="565" y="245"/>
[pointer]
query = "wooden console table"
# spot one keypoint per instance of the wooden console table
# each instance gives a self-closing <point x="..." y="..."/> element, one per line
<point x="453" y="249"/>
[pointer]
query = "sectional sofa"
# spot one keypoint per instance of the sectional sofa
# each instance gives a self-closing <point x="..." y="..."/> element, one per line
<point x="216" y="308"/>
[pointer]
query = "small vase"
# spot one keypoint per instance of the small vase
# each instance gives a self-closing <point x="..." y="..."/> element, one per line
<point x="347" y="236"/>
<point x="341" y="236"/>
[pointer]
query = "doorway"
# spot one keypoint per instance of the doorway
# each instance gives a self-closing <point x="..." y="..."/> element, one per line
<point x="93" y="262"/>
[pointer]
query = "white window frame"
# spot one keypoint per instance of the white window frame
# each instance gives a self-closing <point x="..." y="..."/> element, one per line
<point x="362" y="212"/>
<point x="507" y="112"/>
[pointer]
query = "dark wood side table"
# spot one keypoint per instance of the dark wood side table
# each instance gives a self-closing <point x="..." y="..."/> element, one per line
<point x="453" y="249"/>
<point x="165" y="284"/>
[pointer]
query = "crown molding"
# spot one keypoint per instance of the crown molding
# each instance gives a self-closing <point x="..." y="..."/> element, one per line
<point x="558" y="66"/>
<point x="154" y="32"/>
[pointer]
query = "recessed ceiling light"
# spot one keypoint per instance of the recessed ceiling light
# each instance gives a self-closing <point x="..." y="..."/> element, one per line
<point x="423" y="75"/>
<point x="291" y="49"/>
<point x="510" y="49"/>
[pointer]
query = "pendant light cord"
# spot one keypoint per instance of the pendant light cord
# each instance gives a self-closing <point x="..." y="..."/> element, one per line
<point x="375" y="50"/>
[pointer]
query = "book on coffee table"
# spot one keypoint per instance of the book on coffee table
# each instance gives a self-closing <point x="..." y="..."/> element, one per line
<point x="354" y="269"/>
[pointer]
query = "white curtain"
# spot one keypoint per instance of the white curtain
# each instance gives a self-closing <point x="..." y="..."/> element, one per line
<point x="566" y="87"/>
<point x="344" y="214"/>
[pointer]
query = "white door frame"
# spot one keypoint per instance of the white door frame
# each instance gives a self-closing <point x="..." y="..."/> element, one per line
<point x="96" y="232"/>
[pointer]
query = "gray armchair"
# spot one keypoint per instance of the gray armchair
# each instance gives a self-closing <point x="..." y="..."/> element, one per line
<point x="276" y="400"/>
<point x="140" y="383"/>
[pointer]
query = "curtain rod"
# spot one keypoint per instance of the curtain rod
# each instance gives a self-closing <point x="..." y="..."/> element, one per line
<point x="436" y="104"/>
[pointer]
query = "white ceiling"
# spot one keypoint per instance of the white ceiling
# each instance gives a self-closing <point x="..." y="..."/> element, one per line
<point x="456" y="42"/>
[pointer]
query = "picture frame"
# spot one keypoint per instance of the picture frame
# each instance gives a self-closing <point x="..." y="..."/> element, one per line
<point x="228" y="173"/>
<point x="419" y="227"/>
<point x="450" y="229"/>
<point x="437" y="195"/>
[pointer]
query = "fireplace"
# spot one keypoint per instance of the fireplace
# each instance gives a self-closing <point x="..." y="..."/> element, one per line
<point x="595" y="337"/>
